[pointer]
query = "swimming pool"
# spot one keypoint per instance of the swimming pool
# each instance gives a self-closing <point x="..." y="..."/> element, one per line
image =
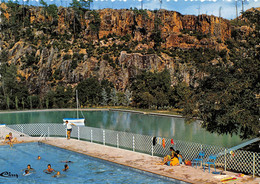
<point x="84" y="169"/>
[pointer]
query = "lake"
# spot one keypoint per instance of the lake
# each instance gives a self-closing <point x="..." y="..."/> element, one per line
<point x="163" y="126"/>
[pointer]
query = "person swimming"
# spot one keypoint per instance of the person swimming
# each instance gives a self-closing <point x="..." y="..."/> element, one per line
<point x="39" y="158"/>
<point x="26" y="172"/>
<point x="66" y="167"/>
<point x="66" y="161"/>
<point x="49" y="170"/>
<point x="29" y="168"/>
<point x="58" y="175"/>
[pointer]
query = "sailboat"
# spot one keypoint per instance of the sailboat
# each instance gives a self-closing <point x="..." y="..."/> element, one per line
<point x="77" y="121"/>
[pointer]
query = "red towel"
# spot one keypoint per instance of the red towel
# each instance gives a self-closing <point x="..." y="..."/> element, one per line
<point x="172" y="142"/>
<point x="163" y="143"/>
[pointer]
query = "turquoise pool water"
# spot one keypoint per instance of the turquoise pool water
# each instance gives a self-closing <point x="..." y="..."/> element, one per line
<point x="162" y="126"/>
<point x="84" y="169"/>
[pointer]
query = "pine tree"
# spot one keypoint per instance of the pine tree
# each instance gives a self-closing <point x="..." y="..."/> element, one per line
<point x="114" y="97"/>
<point x="128" y="96"/>
<point x="104" y="97"/>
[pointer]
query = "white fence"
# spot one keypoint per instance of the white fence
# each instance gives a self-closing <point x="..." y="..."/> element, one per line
<point x="239" y="161"/>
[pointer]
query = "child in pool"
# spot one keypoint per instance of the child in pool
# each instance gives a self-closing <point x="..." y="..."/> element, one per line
<point x="29" y="168"/>
<point x="49" y="170"/>
<point x="26" y="173"/>
<point x="66" y="167"/>
<point x="58" y="175"/>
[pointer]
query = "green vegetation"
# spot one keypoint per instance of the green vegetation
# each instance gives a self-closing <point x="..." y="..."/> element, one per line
<point x="226" y="99"/>
<point x="220" y="87"/>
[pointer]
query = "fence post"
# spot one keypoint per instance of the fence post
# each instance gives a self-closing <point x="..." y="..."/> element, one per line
<point x="22" y="129"/>
<point x="91" y="136"/>
<point x="133" y="143"/>
<point x="104" y="137"/>
<point x="48" y="131"/>
<point x="152" y="146"/>
<point x="78" y="134"/>
<point x="253" y="165"/>
<point x="225" y="164"/>
<point x="117" y="141"/>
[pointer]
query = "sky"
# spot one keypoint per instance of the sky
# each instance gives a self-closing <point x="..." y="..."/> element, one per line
<point x="227" y="8"/>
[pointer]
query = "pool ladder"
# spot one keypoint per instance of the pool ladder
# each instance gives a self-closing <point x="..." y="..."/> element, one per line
<point x="43" y="136"/>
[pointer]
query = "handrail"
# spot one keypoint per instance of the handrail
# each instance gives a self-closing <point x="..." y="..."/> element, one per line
<point x="42" y="137"/>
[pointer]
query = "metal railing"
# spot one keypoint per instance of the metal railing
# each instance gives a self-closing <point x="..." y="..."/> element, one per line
<point x="239" y="161"/>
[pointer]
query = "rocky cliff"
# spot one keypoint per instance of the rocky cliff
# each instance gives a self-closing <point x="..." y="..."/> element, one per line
<point x="109" y="44"/>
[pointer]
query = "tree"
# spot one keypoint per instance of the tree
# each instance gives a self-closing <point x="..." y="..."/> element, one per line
<point x="147" y="100"/>
<point x="227" y="98"/>
<point x="104" y="97"/>
<point x="95" y="22"/>
<point x="89" y="91"/>
<point x="148" y="85"/>
<point x="128" y="96"/>
<point x="114" y="97"/>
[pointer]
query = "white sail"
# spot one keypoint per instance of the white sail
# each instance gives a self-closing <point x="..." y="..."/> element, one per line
<point x="77" y="121"/>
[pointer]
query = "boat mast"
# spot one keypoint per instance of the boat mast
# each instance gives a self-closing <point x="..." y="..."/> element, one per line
<point x="77" y="104"/>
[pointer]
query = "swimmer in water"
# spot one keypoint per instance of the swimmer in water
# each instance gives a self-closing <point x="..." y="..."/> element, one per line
<point x="26" y="173"/>
<point x="39" y="158"/>
<point x="49" y="169"/>
<point x="29" y="168"/>
<point x="66" y="161"/>
<point x="66" y="167"/>
<point x="57" y="174"/>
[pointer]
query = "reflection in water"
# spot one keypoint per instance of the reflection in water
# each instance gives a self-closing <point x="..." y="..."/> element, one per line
<point x="173" y="127"/>
<point x="161" y="126"/>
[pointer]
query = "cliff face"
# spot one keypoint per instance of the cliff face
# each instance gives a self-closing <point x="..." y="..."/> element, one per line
<point x="122" y="22"/>
<point x="53" y="44"/>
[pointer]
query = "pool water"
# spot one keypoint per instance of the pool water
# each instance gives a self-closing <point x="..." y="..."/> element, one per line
<point x="84" y="169"/>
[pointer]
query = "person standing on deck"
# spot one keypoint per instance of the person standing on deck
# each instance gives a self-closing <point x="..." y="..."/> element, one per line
<point x="69" y="129"/>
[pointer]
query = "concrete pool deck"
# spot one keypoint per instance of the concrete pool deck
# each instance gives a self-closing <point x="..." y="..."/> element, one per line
<point x="140" y="161"/>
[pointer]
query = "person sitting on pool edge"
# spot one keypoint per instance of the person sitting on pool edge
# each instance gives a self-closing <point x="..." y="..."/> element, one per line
<point x="49" y="169"/>
<point x="66" y="167"/>
<point x="179" y="156"/>
<point x="174" y="161"/>
<point x="69" y="128"/>
<point x="9" y="139"/>
<point x="169" y="157"/>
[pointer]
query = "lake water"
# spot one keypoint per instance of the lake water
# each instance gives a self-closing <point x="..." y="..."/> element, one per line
<point x="162" y="126"/>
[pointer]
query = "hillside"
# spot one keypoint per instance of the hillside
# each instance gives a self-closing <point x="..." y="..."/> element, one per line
<point x="109" y="44"/>
<point x="205" y="66"/>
